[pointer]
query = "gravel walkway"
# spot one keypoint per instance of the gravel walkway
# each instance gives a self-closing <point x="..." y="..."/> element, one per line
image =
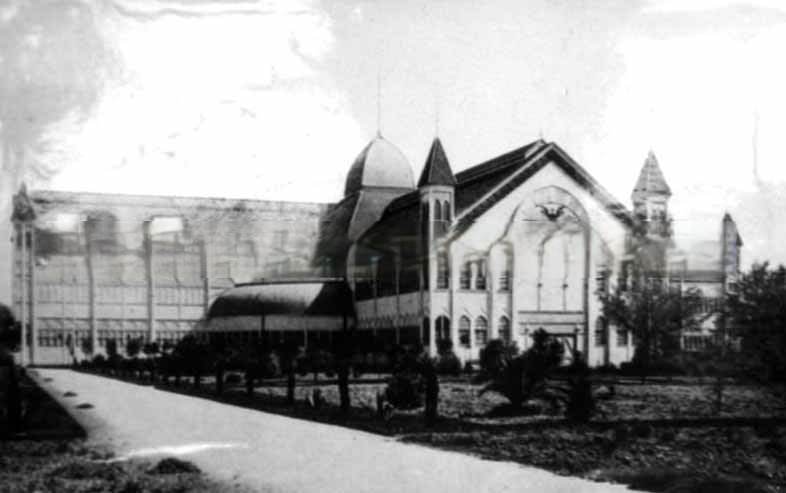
<point x="271" y="453"/>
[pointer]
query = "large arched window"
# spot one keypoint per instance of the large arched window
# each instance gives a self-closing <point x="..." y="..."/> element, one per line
<point x="503" y="327"/>
<point x="481" y="331"/>
<point x="464" y="331"/>
<point x="443" y="328"/>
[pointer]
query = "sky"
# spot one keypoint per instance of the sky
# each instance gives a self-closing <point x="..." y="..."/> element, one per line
<point x="274" y="99"/>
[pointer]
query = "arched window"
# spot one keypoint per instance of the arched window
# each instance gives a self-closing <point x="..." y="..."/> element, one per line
<point x="443" y="328"/>
<point x="480" y="279"/>
<point x="463" y="331"/>
<point x="446" y="211"/>
<point x="443" y="271"/>
<point x="481" y="331"/>
<point x="437" y="210"/>
<point x="503" y="327"/>
<point x="465" y="279"/>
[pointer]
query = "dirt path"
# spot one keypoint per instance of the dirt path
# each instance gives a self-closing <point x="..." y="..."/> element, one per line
<point x="271" y="453"/>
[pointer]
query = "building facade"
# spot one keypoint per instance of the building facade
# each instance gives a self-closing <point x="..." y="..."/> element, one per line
<point x="519" y="243"/>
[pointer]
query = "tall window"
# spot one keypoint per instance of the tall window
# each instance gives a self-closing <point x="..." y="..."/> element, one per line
<point x="443" y="328"/>
<point x="464" y="328"/>
<point x="505" y="272"/>
<point x="443" y="273"/>
<point x="480" y="280"/>
<point x="481" y="331"/>
<point x="600" y="332"/>
<point x="446" y="211"/>
<point x="465" y="276"/>
<point x="503" y="327"/>
<point x="622" y="338"/>
<point x="437" y="211"/>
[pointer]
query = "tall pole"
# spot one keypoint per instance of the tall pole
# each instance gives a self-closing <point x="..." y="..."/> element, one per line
<point x="33" y="324"/>
<point x="150" y="279"/>
<point x="22" y="230"/>
<point x="91" y="284"/>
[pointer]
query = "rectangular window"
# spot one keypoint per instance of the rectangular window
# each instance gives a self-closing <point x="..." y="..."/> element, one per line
<point x="466" y="275"/>
<point x="480" y="281"/>
<point x="443" y="274"/>
<point x="622" y="338"/>
<point x="504" y="280"/>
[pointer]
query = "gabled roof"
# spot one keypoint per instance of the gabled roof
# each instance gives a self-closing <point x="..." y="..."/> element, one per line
<point x="480" y="187"/>
<point x="651" y="178"/>
<point x="437" y="168"/>
<point x="507" y="172"/>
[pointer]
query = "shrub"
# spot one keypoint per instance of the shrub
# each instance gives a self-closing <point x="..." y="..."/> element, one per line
<point x="445" y="346"/>
<point x="402" y="391"/>
<point x="99" y="362"/>
<point x="448" y="364"/>
<point x="494" y="356"/>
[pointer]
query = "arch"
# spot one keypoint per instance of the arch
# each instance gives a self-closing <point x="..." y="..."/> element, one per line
<point x="464" y="331"/>
<point x="481" y="331"/>
<point x="503" y="328"/>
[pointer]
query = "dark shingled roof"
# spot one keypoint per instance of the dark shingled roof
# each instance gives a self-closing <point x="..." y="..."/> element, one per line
<point x="437" y="168"/>
<point x="502" y="174"/>
<point x="651" y="178"/>
<point x="312" y="297"/>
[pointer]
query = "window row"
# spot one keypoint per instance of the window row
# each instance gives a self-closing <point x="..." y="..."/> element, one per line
<point x="466" y="328"/>
<point x="473" y="275"/>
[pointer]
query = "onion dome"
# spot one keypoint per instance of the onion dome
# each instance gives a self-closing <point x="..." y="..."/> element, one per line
<point x="380" y="164"/>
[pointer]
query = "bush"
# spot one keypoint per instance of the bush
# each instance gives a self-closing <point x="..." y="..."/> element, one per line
<point x="493" y="357"/>
<point x="448" y="364"/>
<point x="403" y="391"/>
<point x="99" y="362"/>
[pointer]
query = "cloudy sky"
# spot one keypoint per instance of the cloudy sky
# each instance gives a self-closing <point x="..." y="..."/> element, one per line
<point x="274" y="99"/>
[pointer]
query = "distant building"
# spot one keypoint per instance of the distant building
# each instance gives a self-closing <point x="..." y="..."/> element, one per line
<point x="499" y="250"/>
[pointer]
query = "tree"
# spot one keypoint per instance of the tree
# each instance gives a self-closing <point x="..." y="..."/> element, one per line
<point x="756" y="314"/>
<point x="655" y="314"/>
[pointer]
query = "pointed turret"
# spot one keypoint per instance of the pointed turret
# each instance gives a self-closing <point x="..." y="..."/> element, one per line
<point x="437" y="169"/>
<point x="651" y="180"/>
<point x="650" y="198"/>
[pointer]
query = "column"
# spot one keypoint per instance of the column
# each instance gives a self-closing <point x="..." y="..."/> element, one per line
<point x="150" y="279"/>
<point x="205" y="274"/>
<point x="91" y="285"/>
<point x="22" y="266"/>
<point x="33" y="322"/>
